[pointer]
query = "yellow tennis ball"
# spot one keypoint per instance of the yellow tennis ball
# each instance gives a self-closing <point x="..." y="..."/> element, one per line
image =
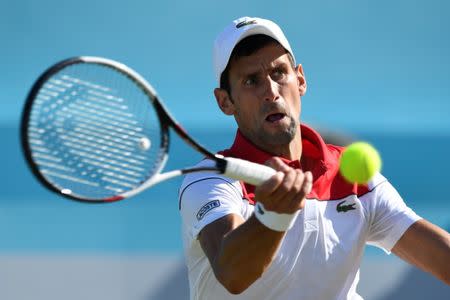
<point x="359" y="162"/>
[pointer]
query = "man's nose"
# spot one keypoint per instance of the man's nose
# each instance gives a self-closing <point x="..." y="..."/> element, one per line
<point x="271" y="92"/>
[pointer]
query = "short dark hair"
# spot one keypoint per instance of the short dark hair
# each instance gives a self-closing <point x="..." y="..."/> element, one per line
<point x="247" y="47"/>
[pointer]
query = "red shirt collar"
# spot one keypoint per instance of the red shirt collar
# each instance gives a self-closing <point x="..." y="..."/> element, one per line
<point x="315" y="154"/>
<point x="319" y="158"/>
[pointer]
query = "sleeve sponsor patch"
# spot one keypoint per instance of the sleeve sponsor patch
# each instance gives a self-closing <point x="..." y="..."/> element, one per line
<point x="206" y="208"/>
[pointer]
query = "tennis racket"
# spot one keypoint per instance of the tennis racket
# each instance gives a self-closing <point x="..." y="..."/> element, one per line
<point x="94" y="130"/>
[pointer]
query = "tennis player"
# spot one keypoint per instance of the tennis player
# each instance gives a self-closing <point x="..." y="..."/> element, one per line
<point x="301" y="234"/>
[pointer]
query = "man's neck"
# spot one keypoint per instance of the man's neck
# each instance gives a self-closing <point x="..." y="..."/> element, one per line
<point x="291" y="151"/>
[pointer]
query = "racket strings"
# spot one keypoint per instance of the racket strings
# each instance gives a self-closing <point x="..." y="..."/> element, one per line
<point x="92" y="140"/>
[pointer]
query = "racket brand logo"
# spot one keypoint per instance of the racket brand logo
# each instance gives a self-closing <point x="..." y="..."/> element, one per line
<point x="341" y="207"/>
<point x="245" y="23"/>
<point x="206" y="208"/>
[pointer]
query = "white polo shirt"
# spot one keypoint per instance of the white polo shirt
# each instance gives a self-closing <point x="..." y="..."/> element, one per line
<point x="320" y="255"/>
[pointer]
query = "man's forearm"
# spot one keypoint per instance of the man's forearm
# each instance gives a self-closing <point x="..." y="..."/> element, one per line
<point x="426" y="246"/>
<point x="244" y="254"/>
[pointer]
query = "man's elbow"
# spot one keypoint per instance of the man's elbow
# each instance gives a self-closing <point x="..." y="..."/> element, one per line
<point x="445" y="276"/>
<point x="235" y="287"/>
<point x="236" y="284"/>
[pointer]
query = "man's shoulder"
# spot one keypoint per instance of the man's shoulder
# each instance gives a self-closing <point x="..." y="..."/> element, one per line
<point x="335" y="148"/>
<point x="208" y="180"/>
<point x="196" y="176"/>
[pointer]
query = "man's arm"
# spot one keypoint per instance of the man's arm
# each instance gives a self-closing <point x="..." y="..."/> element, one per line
<point x="240" y="251"/>
<point x="426" y="246"/>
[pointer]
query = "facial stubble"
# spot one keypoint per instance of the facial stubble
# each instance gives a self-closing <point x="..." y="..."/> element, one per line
<point x="279" y="138"/>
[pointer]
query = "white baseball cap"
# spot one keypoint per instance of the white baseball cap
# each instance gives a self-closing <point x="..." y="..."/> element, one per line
<point x="237" y="31"/>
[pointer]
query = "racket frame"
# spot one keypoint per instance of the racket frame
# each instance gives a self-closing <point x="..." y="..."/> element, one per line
<point x="165" y="119"/>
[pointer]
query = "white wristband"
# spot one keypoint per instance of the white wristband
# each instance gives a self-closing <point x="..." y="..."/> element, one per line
<point x="273" y="220"/>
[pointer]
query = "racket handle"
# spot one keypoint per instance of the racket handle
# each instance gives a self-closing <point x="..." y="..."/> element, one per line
<point x="249" y="172"/>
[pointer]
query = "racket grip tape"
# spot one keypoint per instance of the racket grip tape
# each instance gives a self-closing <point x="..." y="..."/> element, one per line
<point x="249" y="172"/>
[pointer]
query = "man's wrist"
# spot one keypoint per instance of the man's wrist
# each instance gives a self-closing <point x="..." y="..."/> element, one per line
<point x="273" y="220"/>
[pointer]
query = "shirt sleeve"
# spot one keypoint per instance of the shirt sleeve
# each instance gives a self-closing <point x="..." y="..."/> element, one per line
<point x="389" y="217"/>
<point x="204" y="200"/>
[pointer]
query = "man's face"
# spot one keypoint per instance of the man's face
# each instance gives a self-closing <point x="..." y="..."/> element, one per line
<point x="265" y="96"/>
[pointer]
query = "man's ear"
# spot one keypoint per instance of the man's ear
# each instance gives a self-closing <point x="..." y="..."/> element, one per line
<point x="224" y="101"/>
<point x="301" y="80"/>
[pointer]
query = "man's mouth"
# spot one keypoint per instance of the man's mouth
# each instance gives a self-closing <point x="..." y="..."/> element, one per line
<point x="272" y="118"/>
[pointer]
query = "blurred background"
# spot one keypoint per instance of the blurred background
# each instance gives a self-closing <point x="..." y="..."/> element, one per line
<point x="377" y="71"/>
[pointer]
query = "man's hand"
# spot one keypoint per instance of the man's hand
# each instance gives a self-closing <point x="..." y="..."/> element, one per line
<point x="285" y="192"/>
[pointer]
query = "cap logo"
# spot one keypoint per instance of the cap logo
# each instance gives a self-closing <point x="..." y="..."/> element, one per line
<point x="245" y="23"/>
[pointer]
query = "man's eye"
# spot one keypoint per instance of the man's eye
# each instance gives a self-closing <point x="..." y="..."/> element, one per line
<point x="278" y="74"/>
<point x="250" y="81"/>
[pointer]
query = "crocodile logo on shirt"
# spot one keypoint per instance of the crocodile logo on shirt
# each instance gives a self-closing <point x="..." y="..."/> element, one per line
<point x="342" y="207"/>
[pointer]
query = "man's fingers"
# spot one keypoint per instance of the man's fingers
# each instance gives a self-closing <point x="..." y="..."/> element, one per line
<point x="308" y="183"/>
<point x="298" y="200"/>
<point x="270" y="185"/>
<point x="277" y="164"/>
<point x="284" y="189"/>
<point x="297" y="187"/>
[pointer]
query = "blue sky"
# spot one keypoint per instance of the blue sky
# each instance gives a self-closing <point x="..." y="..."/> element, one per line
<point x="371" y="65"/>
